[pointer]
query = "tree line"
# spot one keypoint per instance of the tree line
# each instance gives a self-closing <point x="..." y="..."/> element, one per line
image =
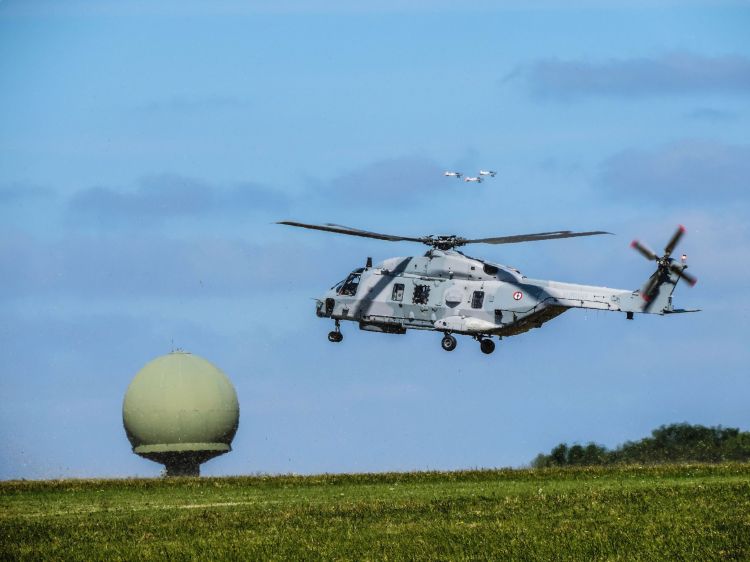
<point x="678" y="442"/>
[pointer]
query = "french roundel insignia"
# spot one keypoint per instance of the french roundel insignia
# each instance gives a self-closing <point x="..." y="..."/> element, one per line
<point x="518" y="295"/>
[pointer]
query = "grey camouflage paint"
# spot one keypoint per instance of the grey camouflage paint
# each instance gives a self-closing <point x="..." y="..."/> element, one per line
<point x="511" y="303"/>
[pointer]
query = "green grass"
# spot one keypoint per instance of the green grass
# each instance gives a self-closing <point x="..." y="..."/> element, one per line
<point x="687" y="512"/>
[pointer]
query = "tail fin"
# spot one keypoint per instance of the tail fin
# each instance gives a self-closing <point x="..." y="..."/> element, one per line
<point x="656" y="293"/>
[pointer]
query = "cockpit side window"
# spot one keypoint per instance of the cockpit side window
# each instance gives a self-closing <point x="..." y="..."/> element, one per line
<point x="351" y="283"/>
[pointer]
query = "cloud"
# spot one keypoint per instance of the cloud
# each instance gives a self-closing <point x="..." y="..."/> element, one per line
<point x="135" y="265"/>
<point x="163" y="197"/>
<point x="711" y="114"/>
<point x="671" y="74"/>
<point x="15" y="193"/>
<point x="393" y="181"/>
<point x="701" y="172"/>
<point x="233" y="8"/>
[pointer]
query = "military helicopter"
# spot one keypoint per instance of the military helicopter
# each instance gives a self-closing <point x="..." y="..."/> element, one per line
<point x="452" y="293"/>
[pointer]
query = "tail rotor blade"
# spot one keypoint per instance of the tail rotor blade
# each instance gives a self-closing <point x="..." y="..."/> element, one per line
<point x="648" y="254"/>
<point x="650" y="289"/>
<point x="673" y="242"/>
<point x="686" y="276"/>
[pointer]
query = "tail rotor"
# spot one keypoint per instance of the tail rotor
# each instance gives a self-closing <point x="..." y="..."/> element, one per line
<point x="666" y="266"/>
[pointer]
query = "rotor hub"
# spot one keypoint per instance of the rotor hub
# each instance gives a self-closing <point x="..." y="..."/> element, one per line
<point x="444" y="242"/>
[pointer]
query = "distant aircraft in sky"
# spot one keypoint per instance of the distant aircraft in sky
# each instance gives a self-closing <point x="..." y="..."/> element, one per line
<point x="473" y="179"/>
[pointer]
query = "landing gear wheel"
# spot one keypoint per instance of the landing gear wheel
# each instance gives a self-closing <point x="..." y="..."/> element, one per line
<point x="335" y="337"/>
<point x="449" y="343"/>
<point x="487" y="346"/>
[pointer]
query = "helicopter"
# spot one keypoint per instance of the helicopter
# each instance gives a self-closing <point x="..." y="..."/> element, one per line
<point x="449" y="292"/>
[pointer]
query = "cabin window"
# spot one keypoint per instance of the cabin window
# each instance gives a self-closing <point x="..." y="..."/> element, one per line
<point x="421" y="294"/>
<point x="490" y="269"/>
<point x="477" y="299"/>
<point x="398" y="292"/>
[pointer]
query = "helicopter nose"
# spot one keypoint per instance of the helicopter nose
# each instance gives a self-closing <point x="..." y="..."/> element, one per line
<point x="324" y="308"/>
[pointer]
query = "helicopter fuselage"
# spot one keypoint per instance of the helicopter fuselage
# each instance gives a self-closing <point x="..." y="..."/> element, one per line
<point x="445" y="290"/>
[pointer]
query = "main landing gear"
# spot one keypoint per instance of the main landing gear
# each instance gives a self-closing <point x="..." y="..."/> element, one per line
<point x="487" y="346"/>
<point x="449" y="343"/>
<point x="336" y="336"/>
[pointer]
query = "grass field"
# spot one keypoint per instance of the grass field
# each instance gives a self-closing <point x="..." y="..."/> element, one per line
<point x="688" y="512"/>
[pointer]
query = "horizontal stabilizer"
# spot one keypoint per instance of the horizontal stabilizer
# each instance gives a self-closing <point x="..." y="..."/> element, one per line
<point x="682" y="310"/>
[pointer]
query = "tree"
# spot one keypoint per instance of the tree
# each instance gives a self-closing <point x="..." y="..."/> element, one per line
<point x="678" y="442"/>
<point x="559" y="455"/>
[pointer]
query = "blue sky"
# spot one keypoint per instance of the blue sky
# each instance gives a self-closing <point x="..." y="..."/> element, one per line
<point x="147" y="149"/>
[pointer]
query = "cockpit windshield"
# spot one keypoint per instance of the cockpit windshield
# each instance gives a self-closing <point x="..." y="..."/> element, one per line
<point x="350" y="284"/>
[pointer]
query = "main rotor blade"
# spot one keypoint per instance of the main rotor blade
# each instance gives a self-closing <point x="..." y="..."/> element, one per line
<point x="533" y="237"/>
<point x="339" y="229"/>
<point x="646" y="252"/>
<point x="673" y="242"/>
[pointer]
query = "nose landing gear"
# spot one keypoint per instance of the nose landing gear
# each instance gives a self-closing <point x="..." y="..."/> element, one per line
<point x="336" y="336"/>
